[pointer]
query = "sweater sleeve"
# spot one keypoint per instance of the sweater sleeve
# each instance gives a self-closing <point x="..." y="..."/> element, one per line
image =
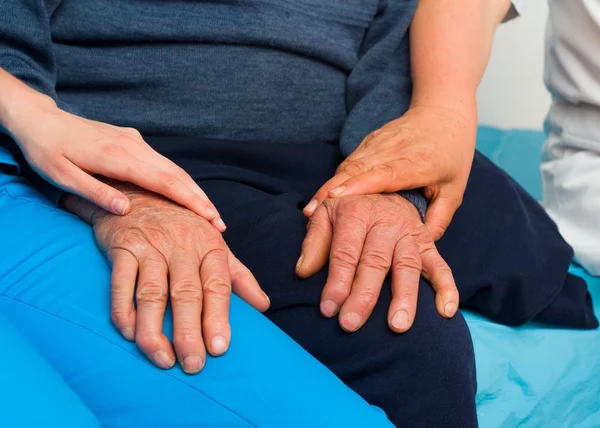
<point x="379" y="88"/>
<point x="26" y="44"/>
<point x="26" y="52"/>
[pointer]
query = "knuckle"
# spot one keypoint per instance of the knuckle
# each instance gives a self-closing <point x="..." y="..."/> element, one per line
<point x="408" y="294"/>
<point x="181" y="230"/>
<point x="218" y="250"/>
<point x="355" y="209"/>
<point x="168" y="180"/>
<point x="186" y="336"/>
<point x="147" y="340"/>
<point x="132" y="131"/>
<point x="419" y="232"/>
<point x="100" y="193"/>
<point x="438" y="264"/>
<point x="385" y="171"/>
<point x="458" y="200"/>
<point x="217" y="286"/>
<point x="114" y="150"/>
<point x="181" y="174"/>
<point x="151" y="292"/>
<point x="119" y="318"/>
<point x="354" y="167"/>
<point x="440" y="228"/>
<point x="408" y="262"/>
<point x="316" y="223"/>
<point x="338" y="292"/>
<point x="344" y="256"/>
<point x="367" y="297"/>
<point x="376" y="133"/>
<point x="372" y="137"/>
<point x="376" y="259"/>
<point x="186" y="291"/>
<point x="60" y="174"/>
<point x="124" y="169"/>
<point x="133" y="242"/>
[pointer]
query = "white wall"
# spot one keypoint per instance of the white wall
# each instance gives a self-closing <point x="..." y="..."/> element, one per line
<point x="512" y="93"/>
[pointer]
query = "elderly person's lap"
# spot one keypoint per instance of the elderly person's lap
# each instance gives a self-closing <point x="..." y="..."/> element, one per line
<point x="55" y="289"/>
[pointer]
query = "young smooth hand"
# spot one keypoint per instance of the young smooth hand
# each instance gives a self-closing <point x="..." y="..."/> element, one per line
<point x="68" y="151"/>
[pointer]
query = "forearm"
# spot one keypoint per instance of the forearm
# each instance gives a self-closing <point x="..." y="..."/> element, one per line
<point x="451" y="42"/>
<point x="18" y="103"/>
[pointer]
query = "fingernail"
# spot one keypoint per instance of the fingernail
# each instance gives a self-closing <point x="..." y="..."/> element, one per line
<point x="350" y="321"/>
<point x="400" y="320"/>
<point x="329" y="308"/>
<point x="450" y="309"/>
<point x="192" y="364"/>
<point x="128" y="334"/>
<point x="312" y="205"/>
<point x="337" y="191"/>
<point x="299" y="262"/>
<point x="221" y="224"/>
<point x="267" y="297"/>
<point x="162" y="360"/>
<point x="119" y="206"/>
<point x="219" y="345"/>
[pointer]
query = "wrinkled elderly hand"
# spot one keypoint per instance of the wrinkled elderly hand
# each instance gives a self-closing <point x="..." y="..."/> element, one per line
<point x="364" y="238"/>
<point x="176" y="255"/>
<point x="429" y="147"/>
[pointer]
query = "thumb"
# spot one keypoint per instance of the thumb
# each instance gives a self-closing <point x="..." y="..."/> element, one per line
<point x="439" y="214"/>
<point x="316" y="244"/>
<point x="82" y="208"/>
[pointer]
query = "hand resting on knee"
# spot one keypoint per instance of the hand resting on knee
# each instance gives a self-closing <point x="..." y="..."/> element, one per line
<point x="364" y="238"/>
<point x="173" y="254"/>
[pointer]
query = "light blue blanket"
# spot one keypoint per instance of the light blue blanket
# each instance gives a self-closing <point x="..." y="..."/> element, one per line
<point x="533" y="376"/>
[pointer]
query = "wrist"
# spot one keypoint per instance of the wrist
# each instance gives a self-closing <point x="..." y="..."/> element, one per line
<point x="20" y="105"/>
<point x="456" y="97"/>
<point x="463" y="111"/>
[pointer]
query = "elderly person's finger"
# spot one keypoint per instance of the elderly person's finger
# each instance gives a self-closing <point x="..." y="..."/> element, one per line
<point x="185" y="291"/>
<point x="216" y="288"/>
<point x="373" y="267"/>
<point x="439" y="275"/>
<point x="406" y="273"/>
<point x="151" y="298"/>
<point x="122" y="286"/>
<point x="316" y="245"/>
<point x="346" y="248"/>
<point x="440" y="212"/>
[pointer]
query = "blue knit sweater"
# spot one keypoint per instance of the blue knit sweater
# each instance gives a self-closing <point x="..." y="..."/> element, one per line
<point x="279" y="71"/>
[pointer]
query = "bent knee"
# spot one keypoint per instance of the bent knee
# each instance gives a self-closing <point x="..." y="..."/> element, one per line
<point x="445" y="346"/>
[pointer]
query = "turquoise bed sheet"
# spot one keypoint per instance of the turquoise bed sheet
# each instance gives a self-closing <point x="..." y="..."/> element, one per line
<point x="533" y="376"/>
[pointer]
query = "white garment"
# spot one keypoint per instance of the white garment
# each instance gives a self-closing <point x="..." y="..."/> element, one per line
<point x="571" y="157"/>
